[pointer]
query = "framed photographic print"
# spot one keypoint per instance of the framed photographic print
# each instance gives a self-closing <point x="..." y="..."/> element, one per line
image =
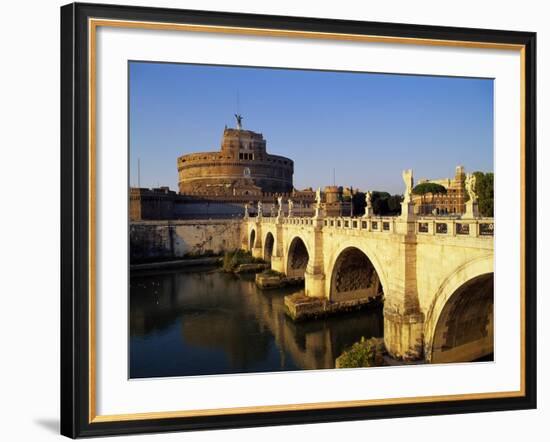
<point x="275" y="220"/>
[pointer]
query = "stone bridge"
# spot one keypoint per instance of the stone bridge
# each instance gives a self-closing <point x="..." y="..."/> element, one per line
<point x="434" y="274"/>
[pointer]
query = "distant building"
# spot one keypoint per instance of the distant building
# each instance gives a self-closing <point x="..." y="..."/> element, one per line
<point x="334" y="204"/>
<point x="450" y="203"/>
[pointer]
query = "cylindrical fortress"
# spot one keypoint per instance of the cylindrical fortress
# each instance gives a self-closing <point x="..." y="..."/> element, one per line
<point x="241" y="167"/>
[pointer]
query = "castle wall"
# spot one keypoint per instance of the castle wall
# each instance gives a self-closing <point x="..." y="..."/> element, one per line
<point x="207" y="209"/>
<point x="151" y="203"/>
<point x="199" y="175"/>
<point x="150" y="240"/>
<point x="163" y="204"/>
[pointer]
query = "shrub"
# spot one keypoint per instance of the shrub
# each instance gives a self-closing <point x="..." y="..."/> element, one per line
<point x="232" y="260"/>
<point x="361" y="354"/>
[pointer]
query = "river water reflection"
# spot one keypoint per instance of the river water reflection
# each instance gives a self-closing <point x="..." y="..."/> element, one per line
<point x="204" y="322"/>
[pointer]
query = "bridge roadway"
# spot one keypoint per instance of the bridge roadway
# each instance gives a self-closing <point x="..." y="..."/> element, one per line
<point x="435" y="274"/>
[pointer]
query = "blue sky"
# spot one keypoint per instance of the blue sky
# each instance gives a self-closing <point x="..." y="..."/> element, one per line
<point x="368" y="127"/>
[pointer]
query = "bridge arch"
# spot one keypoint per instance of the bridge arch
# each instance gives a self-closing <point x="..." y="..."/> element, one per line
<point x="370" y="253"/>
<point x="459" y="323"/>
<point x="252" y="240"/>
<point x="269" y="243"/>
<point x="297" y="258"/>
<point x="353" y="276"/>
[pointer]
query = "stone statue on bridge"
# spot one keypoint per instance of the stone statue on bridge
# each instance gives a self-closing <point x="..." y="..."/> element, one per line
<point x="279" y="206"/>
<point x="318" y="196"/>
<point x="368" y="203"/>
<point x="246" y="214"/>
<point x="407" y="205"/>
<point x="317" y="203"/>
<point x="470" y="184"/>
<point x="409" y="181"/>
<point x="471" y="205"/>
<point x="259" y="209"/>
<point x="290" y="207"/>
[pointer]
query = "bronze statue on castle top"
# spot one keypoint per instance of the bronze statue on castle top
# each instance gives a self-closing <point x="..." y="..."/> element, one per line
<point x="239" y="119"/>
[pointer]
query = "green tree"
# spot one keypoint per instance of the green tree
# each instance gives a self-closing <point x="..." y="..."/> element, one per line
<point x="380" y="202"/>
<point x="385" y="204"/>
<point x="394" y="204"/>
<point x="358" y="201"/>
<point x="485" y="192"/>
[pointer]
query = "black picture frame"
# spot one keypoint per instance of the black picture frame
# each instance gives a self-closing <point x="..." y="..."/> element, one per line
<point x="75" y="221"/>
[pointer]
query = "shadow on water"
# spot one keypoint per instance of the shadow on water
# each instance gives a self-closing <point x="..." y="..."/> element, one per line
<point x="203" y="322"/>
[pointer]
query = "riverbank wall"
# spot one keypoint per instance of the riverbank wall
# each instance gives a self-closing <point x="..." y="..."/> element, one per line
<point x="170" y="239"/>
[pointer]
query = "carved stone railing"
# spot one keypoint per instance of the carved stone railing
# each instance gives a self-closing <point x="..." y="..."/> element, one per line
<point x="269" y="219"/>
<point x="299" y="220"/>
<point x="383" y="224"/>
<point x="439" y="226"/>
<point x="478" y="227"/>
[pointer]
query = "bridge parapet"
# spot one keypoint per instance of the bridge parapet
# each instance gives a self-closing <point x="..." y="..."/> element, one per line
<point x="385" y="224"/>
<point x="440" y="226"/>
<point x="299" y="220"/>
<point x="268" y="219"/>
<point x="423" y="226"/>
<point x="475" y="227"/>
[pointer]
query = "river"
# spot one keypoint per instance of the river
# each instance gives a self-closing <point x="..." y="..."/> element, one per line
<point x="203" y="322"/>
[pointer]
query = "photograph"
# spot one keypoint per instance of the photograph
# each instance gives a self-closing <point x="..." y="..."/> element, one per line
<point x="299" y="219"/>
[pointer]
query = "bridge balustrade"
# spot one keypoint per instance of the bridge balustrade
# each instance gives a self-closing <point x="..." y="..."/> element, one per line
<point x="439" y="226"/>
<point x="295" y="220"/>
<point x="480" y="227"/>
<point x="375" y="224"/>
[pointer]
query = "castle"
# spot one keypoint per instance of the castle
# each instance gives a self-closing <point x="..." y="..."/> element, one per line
<point x="219" y="184"/>
<point x="242" y="167"/>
